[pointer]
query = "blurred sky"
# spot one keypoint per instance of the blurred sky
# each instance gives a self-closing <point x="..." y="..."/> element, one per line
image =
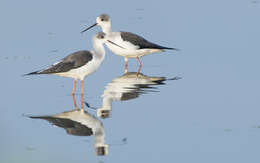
<point x="210" y="115"/>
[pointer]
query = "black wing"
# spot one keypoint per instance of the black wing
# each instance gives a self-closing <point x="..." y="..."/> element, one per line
<point x="72" y="127"/>
<point x="70" y="62"/>
<point x="141" y="42"/>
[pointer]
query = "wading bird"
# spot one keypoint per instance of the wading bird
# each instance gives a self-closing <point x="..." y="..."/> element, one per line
<point x="79" y="64"/>
<point x="134" y="46"/>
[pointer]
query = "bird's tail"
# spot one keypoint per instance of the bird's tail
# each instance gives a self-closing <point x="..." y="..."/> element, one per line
<point x="34" y="117"/>
<point x="39" y="117"/>
<point x="33" y="73"/>
<point x="164" y="47"/>
<point x="167" y="48"/>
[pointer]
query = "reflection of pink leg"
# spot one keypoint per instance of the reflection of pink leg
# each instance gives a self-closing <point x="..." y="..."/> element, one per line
<point x="74" y="87"/>
<point x="74" y="101"/>
<point x="82" y="101"/>
<point x="81" y="82"/>
<point x="126" y="64"/>
<point x="140" y="64"/>
<point x="82" y="94"/>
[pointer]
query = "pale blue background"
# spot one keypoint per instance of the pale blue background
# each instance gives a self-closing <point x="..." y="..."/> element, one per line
<point x="211" y="115"/>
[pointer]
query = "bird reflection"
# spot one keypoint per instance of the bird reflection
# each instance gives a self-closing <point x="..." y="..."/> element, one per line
<point x="80" y="123"/>
<point x="126" y="87"/>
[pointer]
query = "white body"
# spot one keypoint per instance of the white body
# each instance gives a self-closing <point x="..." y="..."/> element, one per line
<point x="130" y="51"/>
<point x="98" y="55"/>
<point x="85" y="70"/>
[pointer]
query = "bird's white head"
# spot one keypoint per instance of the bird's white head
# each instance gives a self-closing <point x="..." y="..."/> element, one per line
<point x="104" y="22"/>
<point x="100" y="37"/>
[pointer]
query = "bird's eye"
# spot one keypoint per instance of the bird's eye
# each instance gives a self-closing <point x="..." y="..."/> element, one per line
<point x="102" y="37"/>
<point x="102" y="19"/>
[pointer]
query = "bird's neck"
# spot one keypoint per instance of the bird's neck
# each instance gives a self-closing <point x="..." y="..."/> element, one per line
<point x="106" y="29"/>
<point x="99" y="50"/>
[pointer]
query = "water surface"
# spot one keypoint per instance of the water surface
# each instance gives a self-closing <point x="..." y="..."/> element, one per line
<point x="210" y="115"/>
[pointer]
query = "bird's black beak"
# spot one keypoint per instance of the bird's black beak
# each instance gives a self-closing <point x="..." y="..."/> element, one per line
<point x="89" y="28"/>
<point x="115" y="44"/>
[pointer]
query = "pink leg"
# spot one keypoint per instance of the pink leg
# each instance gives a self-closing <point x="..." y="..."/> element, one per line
<point x="140" y="64"/>
<point x="82" y="102"/>
<point x="126" y="64"/>
<point x="74" y="87"/>
<point x="82" y="94"/>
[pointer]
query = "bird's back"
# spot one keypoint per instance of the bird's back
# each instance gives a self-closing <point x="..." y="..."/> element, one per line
<point x="72" y="61"/>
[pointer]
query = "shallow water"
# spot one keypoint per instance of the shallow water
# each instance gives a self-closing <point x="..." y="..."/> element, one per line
<point x="211" y="114"/>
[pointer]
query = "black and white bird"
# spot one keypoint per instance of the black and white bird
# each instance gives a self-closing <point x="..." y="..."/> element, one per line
<point x="134" y="46"/>
<point x="81" y="63"/>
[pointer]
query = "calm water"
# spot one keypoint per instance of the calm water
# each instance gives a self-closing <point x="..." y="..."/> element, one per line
<point x="211" y="114"/>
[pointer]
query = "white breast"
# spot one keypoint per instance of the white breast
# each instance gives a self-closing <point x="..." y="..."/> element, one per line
<point x="81" y="72"/>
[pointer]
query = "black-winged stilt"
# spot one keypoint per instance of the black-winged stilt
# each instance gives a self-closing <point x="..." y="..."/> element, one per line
<point x="134" y="46"/>
<point x="79" y="64"/>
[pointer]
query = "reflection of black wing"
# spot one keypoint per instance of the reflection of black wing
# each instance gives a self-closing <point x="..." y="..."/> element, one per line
<point x="137" y="89"/>
<point x="72" y="127"/>
<point x="129" y="96"/>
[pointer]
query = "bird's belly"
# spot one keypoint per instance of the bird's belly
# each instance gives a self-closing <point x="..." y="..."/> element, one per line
<point x="131" y="53"/>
